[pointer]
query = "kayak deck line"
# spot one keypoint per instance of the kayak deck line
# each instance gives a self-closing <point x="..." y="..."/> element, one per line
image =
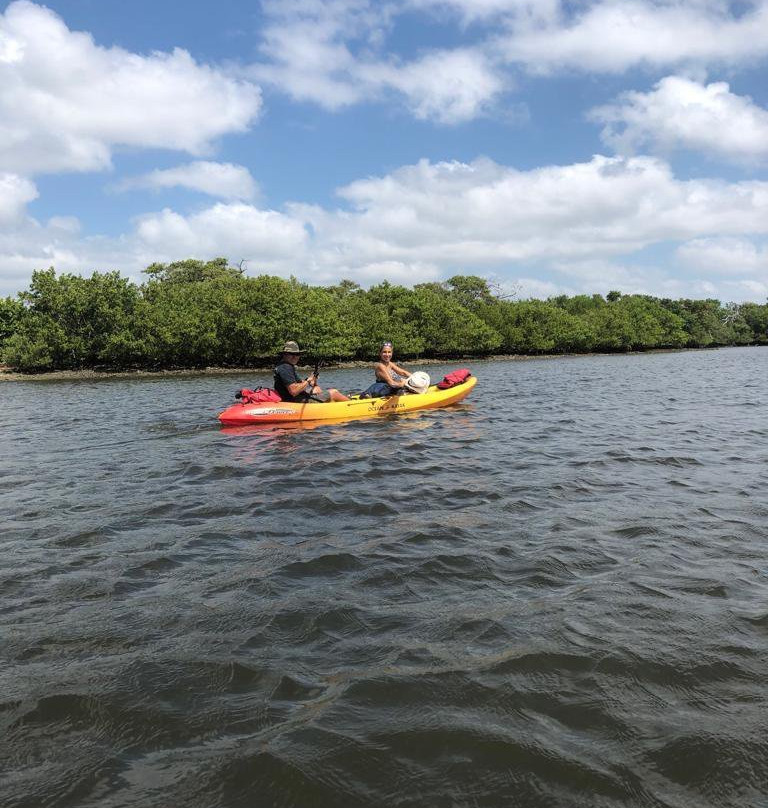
<point x="241" y="414"/>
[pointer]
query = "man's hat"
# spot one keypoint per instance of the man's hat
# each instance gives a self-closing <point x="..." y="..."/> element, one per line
<point x="291" y="347"/>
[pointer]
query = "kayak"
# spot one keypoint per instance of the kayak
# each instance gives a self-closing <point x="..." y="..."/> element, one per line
<point x="286" y="412"/>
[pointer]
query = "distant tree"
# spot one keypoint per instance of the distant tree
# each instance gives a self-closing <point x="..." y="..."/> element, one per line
<point x="469" y="290"/>
<point x="447" y="327"/>
<point x="703" y="320"/>
<point x="579" y="304"/>
<point x="635" y="322"/>
<point x="74" y="322"/>
<point x="536" y="326"/>
<point x="345" y="287"/>
<point x="755" y="316"/>
<point x="192" y="270"/>
<point x="11" y="312"/>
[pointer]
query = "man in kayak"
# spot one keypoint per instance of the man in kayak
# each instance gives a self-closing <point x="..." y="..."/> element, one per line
<point x="291" y="387"/>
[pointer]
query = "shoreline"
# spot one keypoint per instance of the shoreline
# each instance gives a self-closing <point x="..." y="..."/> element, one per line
<point x="7" y="374"/>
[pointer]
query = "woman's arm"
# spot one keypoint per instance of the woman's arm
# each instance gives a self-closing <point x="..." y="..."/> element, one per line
<point x="383" y="374"/>
<point x="398" y="369"/>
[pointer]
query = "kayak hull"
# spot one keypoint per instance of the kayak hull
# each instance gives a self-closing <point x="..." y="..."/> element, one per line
<point x="285" y="412"/>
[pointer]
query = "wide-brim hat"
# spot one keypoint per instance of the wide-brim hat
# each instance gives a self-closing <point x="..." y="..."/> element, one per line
<point x="292" y="347"/>
<point x="418" y="382"/>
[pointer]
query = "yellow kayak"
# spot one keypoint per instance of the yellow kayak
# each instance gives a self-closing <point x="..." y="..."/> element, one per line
<point x="284" y="412"/>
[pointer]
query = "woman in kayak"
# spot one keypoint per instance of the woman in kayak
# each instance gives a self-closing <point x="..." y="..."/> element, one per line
<point x="390" y="377"/>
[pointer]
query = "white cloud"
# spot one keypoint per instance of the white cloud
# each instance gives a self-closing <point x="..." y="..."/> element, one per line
<point x="577" y="224"/>
<point x="378" y="271"/>
<point x="237" y="230"/>
<point x="458" y="212"/>
<point x="304" y="60"/>
<point x="447" y="86"/>
<point x="224" y="180"/>
<point x="539" y="11"/>
<point x="15" y="193"/>
<point x="335" y="53"/>
<point x="602" y="275"/>
<point x="573" y="219"/>
<point x="538" y="289"/>
<point x="614" y="35"/>
<point x="681" y="113"/>
<point x="27" y="245"/>
<point x="332" y="53"/>
<point x="724" y="256"/>
<point x="756" y="291"/>
<point x="65" y="102"/>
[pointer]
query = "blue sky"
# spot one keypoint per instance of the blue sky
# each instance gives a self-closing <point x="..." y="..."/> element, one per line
<point x="551" y="147"/>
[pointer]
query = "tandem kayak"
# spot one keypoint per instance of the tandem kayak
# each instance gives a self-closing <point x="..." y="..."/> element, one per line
<point x="285" y="412"/>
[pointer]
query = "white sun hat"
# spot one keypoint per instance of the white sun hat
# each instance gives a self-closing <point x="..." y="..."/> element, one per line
<point x="417" y="382"/>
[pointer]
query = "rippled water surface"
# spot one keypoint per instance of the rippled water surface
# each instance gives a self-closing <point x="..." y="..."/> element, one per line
<point x="553" y="594"/>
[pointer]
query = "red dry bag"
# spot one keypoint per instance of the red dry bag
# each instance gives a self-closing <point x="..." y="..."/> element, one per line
<point x="262" y="395"/>
<point x="453" y="378"/>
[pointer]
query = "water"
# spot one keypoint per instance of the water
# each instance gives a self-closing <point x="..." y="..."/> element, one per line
<point x="554" y="594"/>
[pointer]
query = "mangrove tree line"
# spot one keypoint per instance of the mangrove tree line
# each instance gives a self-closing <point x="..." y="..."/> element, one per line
<point x="191" y="314"/>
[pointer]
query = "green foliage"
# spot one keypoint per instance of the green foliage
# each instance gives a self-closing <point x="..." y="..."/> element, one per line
<point x="72" y="322"/>
<point x="447" y="327"/>
<point x="387" y="315"/>
<point x="706" y="323"/>
<point x="470" y="291"/>
<point x="191" y="270"/>
<point x="535" y="326"/>
<point x="197" y="313"/>
<point x="633" y="322"/>
<point x="11" y="312"/>
<point x="755" y="318"/>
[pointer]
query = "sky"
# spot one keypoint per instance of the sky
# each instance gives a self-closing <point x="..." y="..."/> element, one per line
<point x="549" y="146"/>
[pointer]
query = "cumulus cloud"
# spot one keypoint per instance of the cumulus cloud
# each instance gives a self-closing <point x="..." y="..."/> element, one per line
<point x="579" y="225"/>
<point x="237" y="230"/>
<point x="470" y="11"/>
<point x="223" y="180"/>
<point x="481" y="211"/>
<point x="457" y="215"/>
<point x="376" y="271"/>
<point x="756" y="291"/>
<point x="447" y="86"/>
<point x="308" y="59"/>
<point x="724" y="256"/>
<point x="538" y="289"/>
<point x="602" y="275"/>
<point x="615" y="35"/>
<point x="66" y="102"/>
<point x="15" y="193"/>
<point x="27" y="245"/>
<point x="680" y="113"/>
<point x="333" y="54"/>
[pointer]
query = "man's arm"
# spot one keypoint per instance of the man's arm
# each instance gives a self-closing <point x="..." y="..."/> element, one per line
<point x="294" y="385"/>
<point x="303" y="385"/>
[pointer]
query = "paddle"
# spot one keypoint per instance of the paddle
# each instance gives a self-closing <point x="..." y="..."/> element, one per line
<point x="320" y="363"/>
<point x="316" y="372"/>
